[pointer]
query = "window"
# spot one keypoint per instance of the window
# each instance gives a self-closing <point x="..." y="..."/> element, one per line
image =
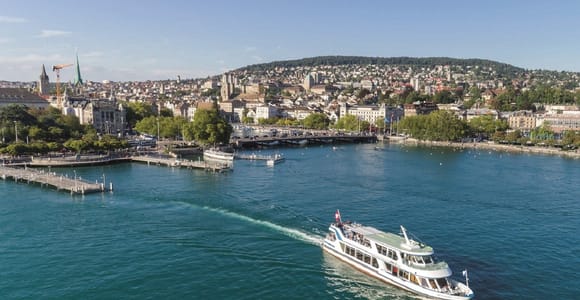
<point x="388" y="266"/>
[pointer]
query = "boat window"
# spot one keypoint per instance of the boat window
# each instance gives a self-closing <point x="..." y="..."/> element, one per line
<point x="404" y="274"/>
<point x="388" y="267"/>
<point x="375" y="263"/>
<point x="427" y="259"/>
<point x="424" y="283"/>
<point x="367" y="259"/>
<point x="442" y="282"/>
<point x="433" y="284"/>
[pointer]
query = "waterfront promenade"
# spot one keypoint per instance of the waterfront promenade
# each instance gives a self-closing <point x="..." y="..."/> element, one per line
<point x="495" y="147"/>
<point x="58" y="181"/>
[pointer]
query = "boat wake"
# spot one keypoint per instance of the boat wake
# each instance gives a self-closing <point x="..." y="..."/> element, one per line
<point x="293" y="233"/>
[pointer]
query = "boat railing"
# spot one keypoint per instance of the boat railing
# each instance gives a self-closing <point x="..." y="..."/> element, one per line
<point x="358" y="238"/>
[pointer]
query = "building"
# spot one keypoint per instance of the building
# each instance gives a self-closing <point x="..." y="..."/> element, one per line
<point x="561" y="123"/>
<point x="228" y="86"/>
<point x="265" y="112"/>
<point x="480" y="112"/>
<point x="231" y="109"/>
<point x="308" y="82"/>
<point x="522" y="120"/>
<point x="10" y="96"/>
<point x="107" y="116"/>
<point x="419" y="108"/>
<point x="43" y="83"/>
<point x="369" y="113"/>
<point x="416" y="83"/>
<point x="78" y="80"/>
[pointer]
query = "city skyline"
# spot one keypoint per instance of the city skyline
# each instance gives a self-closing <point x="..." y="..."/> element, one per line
<point x="150" y="40"/>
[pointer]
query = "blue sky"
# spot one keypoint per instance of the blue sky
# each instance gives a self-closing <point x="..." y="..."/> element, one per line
<point x="127" y="40"/>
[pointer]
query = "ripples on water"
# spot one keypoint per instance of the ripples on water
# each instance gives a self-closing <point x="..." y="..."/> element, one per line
<point x="512" y="220"/>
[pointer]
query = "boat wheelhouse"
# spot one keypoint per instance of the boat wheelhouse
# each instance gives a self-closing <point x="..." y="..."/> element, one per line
<point x="395" y="259"/>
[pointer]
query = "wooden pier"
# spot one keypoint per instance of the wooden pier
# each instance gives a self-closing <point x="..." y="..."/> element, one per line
<point x="181" y="163"/>
<point x="58" y="181"/>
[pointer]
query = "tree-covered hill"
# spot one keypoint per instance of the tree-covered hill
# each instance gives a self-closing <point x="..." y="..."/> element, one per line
<point x="403" y="61"/>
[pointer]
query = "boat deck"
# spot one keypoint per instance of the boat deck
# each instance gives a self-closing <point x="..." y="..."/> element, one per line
<point x="391" y="239"/>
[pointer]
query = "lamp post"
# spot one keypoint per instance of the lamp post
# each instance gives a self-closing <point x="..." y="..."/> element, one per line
<point x="16" y="131"/>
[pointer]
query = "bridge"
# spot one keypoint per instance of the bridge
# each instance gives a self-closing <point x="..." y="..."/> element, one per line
<point x="302" y="140"/>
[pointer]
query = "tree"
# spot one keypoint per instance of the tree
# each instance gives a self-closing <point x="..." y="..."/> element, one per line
<point x="77" y="145"/>
<point x="208" y="127"/>
<point x="137" y="111"/>
<point x="316" y="121"/>
<point x="350" y="123"/>
<point x="439" y="125"/>
<point x="444" y="97"/>
<point x="487" y="125"/>
<point x="475" y="93"/>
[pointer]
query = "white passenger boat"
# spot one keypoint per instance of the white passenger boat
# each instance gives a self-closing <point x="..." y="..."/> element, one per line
<point x="275" y="159"/>
<point x="215" y="154"/>
<point x="395" y="259"/>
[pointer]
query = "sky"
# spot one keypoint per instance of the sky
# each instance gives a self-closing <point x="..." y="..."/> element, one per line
<point x="137" y="40"/>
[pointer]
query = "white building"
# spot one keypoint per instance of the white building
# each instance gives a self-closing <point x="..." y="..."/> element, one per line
<point x="369" y="113"/>
<point x="265" y="112"/>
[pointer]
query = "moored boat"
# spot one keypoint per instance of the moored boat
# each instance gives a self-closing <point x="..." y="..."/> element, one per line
<point x="216" y="154"/>
<point x="275" y="159"/>
<point x="395" y="259"/>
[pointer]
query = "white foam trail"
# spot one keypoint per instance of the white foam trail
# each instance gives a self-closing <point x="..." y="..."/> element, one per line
<point x="293" y="233"/>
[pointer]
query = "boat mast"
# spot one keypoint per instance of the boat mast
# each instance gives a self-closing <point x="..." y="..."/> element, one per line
<point x="405" y="235"/>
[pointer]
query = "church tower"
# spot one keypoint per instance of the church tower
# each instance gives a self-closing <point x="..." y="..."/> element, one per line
<point x="78" y="80"/>
<point x="43" y="83"/>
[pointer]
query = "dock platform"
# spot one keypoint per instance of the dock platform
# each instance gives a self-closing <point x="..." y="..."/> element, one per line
<point x="58" y="181"/>
<point x="181" y="163"/>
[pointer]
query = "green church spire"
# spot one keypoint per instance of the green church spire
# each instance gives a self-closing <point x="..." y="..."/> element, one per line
<point x="78" y="79"/>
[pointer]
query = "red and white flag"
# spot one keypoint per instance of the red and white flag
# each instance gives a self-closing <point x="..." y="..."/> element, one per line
<point x="337" y="216"/>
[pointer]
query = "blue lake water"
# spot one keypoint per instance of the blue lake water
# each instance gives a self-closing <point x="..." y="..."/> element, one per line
<point x="512" y="220"/>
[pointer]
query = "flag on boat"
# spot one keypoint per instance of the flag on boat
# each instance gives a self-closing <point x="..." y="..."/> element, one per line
<point x="337" y="216"/>
<point x="464" y="272"/>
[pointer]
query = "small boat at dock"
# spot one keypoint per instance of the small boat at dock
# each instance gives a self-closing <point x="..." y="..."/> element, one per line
<point x="216" y="154"/>
<point x="275" y="159"/>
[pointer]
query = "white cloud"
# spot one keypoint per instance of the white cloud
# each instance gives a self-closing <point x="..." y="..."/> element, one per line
<point x="257" y="58"/>
<point x="4" y="41"/>
<point x="45" y="33"/>
<point x="31" y="58"/>
<point x="250" y="49"/>
<point x="6" y="19"/>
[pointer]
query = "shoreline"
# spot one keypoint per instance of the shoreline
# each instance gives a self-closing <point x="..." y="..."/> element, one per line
<point x="494" y="147"/>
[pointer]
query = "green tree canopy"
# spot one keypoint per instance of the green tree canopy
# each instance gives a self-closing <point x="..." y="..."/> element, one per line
<point x="487" y="125"/>
<point x="351" y="123"/>
<point x="137" y="111"/>
<point x="208" y="127"/>
<point x="316" y="121"/>
<point x="439" y="125"/>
